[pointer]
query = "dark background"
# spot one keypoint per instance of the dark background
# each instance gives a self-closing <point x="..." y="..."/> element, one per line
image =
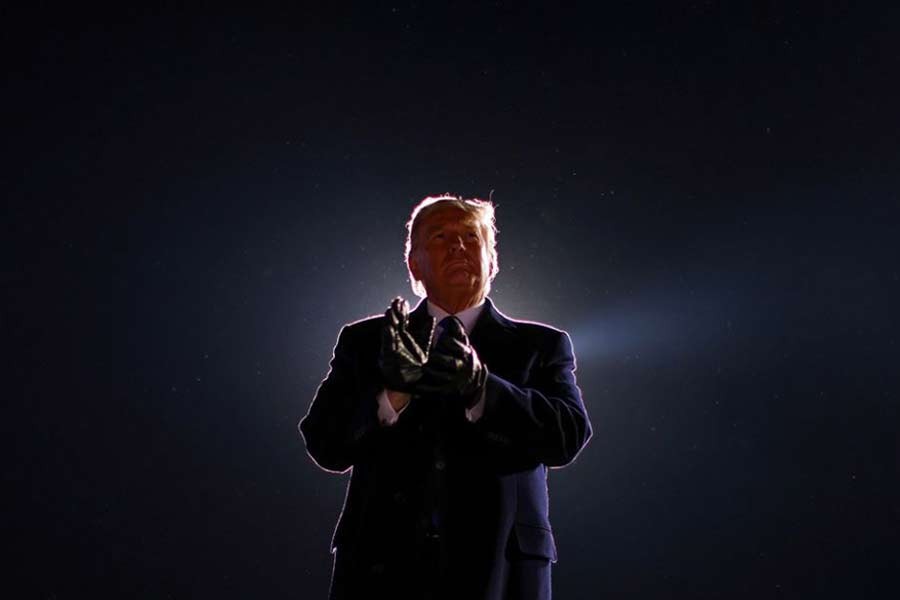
<point x="703" y="194"/>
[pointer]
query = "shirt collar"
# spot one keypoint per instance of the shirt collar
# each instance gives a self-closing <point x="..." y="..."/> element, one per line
<point x="468" y="316"/>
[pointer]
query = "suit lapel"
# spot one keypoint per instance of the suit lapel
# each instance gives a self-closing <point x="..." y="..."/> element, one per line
<point x="492" y="334"/>
<point x="419" y="321"/>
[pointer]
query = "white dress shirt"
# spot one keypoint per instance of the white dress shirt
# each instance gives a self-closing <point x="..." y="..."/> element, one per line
<point x="386" y="413"/>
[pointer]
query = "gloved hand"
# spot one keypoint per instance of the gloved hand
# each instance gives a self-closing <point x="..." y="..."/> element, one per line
<point x="453" y="366"/>
<point x="402" y="358"/>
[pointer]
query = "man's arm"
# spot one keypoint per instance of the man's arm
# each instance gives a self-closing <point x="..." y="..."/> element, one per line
<point x="545" y="421"/>
<point x="343" y="413"/>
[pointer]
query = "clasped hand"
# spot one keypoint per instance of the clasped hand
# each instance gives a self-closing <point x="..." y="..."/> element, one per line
<point x="402" y="358"/>
<point x="451" y="368"/>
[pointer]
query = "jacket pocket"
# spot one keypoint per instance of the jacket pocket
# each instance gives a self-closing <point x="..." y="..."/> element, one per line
<point x="535" y="541"/>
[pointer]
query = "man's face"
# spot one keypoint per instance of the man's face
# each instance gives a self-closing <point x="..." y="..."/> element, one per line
<point x="451" y="258"/>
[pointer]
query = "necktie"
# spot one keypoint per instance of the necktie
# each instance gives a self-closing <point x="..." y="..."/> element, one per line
<point x="442" y="326"/>
<point x="437" y="477"/>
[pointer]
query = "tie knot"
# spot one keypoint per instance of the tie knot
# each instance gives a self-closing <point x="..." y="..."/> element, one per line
<point x="446" y="321"/>
<point x="449" y="324"/>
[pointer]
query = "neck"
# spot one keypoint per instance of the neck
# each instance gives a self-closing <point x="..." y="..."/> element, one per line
<point x="453" y="305"/>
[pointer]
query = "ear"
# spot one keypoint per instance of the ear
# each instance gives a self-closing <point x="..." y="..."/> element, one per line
<point x="490" y="263"/>
<point x="413" y="266"/>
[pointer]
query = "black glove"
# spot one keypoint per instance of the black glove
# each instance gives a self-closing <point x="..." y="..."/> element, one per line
<point x="402" y="358"/>
<point x="453" y="366"/>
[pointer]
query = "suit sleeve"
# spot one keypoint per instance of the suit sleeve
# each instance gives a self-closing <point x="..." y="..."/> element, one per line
<point x="545" y="420"/>
<point x="343" y="415"/>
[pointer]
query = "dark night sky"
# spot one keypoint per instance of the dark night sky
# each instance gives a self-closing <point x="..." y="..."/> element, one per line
<point x="704" y="195"/>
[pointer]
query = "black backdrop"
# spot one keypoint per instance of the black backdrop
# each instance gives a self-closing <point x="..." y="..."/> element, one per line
<point x="703" y="194"/>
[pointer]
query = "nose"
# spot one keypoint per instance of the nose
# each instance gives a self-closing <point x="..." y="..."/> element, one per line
<point x="457" y="243"/>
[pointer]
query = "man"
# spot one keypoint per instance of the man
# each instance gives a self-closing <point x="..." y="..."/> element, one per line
<point x="449" y="417"/>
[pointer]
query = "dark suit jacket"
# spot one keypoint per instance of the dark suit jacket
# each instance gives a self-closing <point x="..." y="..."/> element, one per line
<point x="434" y="488"/>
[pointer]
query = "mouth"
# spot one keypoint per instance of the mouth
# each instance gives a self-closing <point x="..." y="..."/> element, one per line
<point x="456" y="263"/>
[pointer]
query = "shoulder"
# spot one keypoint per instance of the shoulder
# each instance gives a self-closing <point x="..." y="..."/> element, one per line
<point x="359" y="338"/>
<point x="363" y="328"/>
<point x="533" y="330"/>
<point x="549" y="339"/>
<point x="536" y="328"/>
